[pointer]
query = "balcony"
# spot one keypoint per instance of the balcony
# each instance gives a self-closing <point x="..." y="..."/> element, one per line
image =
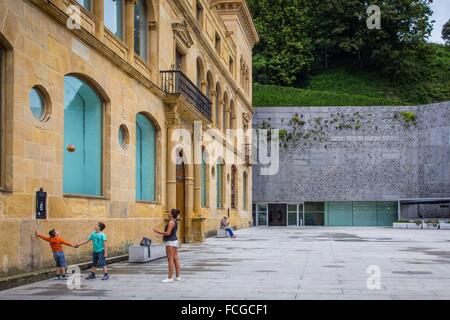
<point x="177" y="83"/>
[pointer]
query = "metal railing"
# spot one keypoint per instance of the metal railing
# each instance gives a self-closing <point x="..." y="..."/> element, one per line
<point x="176" y="82"/>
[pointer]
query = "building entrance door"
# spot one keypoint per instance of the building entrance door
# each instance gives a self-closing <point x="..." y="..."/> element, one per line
<point x="181" y="182"/>
<point x="277" y="215"/>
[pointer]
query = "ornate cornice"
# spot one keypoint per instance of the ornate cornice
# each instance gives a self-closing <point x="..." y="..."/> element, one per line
<point x="239" y="8"/>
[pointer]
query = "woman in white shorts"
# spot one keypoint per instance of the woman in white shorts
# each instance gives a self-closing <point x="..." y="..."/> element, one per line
<point x="171" y="240"/>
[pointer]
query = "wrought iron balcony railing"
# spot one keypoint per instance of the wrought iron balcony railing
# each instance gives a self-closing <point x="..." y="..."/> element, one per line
<point x="176" y="82"/>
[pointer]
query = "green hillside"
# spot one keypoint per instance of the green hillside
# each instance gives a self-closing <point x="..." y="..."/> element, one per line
<point x="350" y="86"/>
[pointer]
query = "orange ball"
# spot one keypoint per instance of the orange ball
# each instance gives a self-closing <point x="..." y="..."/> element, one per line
<point x="71" y="148"/>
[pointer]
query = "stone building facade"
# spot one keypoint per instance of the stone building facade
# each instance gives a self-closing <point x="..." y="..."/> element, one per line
<point x="94" y="95"/>
<point x="351" y="165"/>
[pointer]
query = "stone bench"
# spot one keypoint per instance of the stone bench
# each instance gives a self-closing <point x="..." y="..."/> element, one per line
<point x="222" y="233"/>
<point x="139" y="254"/>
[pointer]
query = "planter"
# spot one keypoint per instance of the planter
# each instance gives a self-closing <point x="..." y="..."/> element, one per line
<point x="406" y="225"/>
<point x="444" y="226"/>
<point x="399" y="225"/>
<point x="413" y="225"/>
<point x="430" y="226"/>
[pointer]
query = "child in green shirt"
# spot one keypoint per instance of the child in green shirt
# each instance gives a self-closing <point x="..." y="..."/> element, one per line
<point x="100" y="251"/>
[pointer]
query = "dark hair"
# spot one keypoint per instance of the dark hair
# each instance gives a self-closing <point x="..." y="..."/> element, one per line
<point x="52" y="233"/>
<point x="175" y="213"/>
<point x="102" y="226"/>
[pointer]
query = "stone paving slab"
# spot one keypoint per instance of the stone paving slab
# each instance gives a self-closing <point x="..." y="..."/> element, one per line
<point x="278" y="264"/>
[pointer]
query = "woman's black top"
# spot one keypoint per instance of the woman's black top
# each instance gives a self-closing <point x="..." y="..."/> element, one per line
<point x="173" y="234"/>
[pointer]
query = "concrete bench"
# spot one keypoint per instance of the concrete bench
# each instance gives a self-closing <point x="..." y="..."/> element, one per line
<point x="139" y="254"/>
<point x="222" y="233"/>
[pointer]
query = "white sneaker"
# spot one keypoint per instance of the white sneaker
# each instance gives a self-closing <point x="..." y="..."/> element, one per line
<point x="167" y="280"/>
<point x="178" y="279"/>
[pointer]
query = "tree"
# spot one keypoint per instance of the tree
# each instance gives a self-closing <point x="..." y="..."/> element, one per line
<point x="285" y="51"/>
<point x="446" y="32"/>
<point x="341" y="26"/>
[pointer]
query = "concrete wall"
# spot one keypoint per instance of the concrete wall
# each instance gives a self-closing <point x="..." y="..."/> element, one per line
<point x="358" y="153"/>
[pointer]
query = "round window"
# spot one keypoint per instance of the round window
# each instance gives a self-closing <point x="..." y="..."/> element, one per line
<point x="123" y="136"/>
<point x="37" y="103"/>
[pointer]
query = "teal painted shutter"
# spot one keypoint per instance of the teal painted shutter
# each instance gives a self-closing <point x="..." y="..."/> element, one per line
<point x="340" y="213"/>
<point x="364" y="213"/>
<point x="83" y="128"/>
<point x="219" y="185"/>
<point x="203" y="180"/>
<point x="387" y="213"/>
<point x="145" y="159"/>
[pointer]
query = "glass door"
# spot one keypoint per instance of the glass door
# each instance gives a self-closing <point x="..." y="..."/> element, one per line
<point x="295" y="214"/>
<point x="292" y="215"/>
<point x="262" y="214"/>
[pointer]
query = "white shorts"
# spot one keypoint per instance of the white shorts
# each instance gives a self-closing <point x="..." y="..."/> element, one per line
<point x="174" y="244"/>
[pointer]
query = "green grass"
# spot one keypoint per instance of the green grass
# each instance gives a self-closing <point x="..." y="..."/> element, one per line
<point x="349" y="86"/>
<point x="266" y="95"/>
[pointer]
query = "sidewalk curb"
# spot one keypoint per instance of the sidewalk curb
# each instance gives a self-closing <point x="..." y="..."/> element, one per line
<point x="31" y="277"/>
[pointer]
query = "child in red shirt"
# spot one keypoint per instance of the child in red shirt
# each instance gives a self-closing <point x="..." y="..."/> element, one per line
<point x="56" y="243"/>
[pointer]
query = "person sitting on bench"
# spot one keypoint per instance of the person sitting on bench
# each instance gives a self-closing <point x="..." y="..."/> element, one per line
<point x="225" y="225"/>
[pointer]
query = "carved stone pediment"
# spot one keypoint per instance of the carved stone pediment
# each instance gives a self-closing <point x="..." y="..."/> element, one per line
<point x="181" y="32"/>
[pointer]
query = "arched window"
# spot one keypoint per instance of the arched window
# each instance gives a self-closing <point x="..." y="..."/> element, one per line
<point x="233" y="187"/>
<point x="113" y="13"/>
<point x="140" y="29"/>
<point x="220" y="183"/>
<point x="83" y="138"/>
<point x="244" y="193"/>
<point x="203" y="178"/>
<point x="85" y="4"/>
<point x="145" y="159"/>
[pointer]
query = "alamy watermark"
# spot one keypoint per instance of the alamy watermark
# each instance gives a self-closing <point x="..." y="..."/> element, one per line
<point x="374" y="280"/>
<point x="74" y="20"/>
<point x="73" y="278"/>
<point x="374" y="19"/>
<point x="214" y="146"/>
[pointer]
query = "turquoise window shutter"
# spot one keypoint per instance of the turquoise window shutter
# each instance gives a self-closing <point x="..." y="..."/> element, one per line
<point x="83" y="128"/>
<point x="219" y="185"/>
<point x="145" y="159"/>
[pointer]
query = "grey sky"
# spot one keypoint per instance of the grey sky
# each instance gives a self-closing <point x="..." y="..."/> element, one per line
<point x="441" y="13"/>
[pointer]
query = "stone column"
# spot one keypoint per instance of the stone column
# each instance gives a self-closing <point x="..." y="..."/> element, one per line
<point x="227" y="118"/>
<point x="129" y="28"/>
<point x="99" y="12"/>
<point x="189" y="206"/>
<point x="198" y="170"/>
<point x="172" y="123"/>
<point x="220" y="110"/>
<point x="213" y="111"/>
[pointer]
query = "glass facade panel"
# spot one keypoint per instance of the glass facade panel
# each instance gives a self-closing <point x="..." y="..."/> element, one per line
<point x="113" y="16"/>
<point x="37" y="104"/>
<point x="140" y="29"/>
<point x="314" y="213"/>
<point x="85" y="4"/>
<point x="262" y="214"/>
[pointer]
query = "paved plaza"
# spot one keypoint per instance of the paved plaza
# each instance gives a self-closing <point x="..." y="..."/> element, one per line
<point x="281" y="263"/>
